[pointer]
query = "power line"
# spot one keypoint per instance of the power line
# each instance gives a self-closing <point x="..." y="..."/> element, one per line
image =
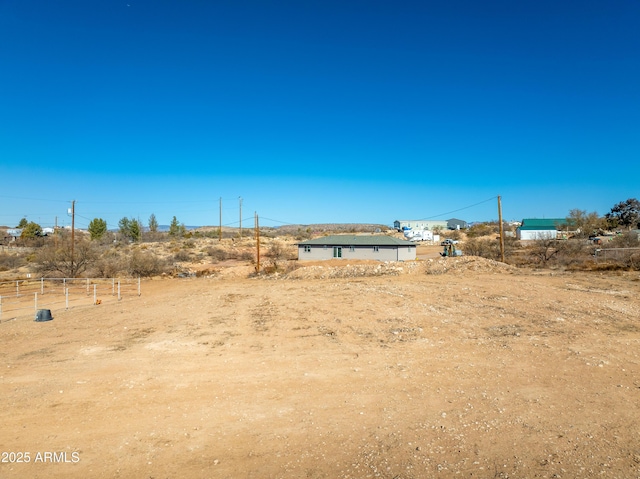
<point x="459" y="209"/>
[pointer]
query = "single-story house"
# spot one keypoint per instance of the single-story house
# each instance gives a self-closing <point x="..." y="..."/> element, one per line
<point x="379" y="247"/>
<point x="400" y="225"/>
<point x="537" y="228"/>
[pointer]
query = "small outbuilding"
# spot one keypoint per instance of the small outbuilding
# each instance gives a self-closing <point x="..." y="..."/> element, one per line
<point x="378" y="247"/>
<point x="541" y="228"/>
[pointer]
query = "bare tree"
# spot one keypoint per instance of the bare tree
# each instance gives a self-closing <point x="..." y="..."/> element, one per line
<point x="585" y="224"/>
<point x="62" y="260"/>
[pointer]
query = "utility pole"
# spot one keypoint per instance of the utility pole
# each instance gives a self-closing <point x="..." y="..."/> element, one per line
<point x="257" y="244"/>
<point x="220" y="229"/>
<point x="73" y="232"/>
<point x="501" y="229"/>
<point x="240" y="200"/>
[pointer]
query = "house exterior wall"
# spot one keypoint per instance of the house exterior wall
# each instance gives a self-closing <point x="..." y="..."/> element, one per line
<point x="383" y="253"/>
<point x="536" y="234"/>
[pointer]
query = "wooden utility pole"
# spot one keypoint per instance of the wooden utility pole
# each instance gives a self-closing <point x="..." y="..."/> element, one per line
<point x="501" y="229"/>
<point x="220" y="229"/>
<point x="240" y="200"/>
<point x="73" y="232"/>
<point x="257" y="244"/>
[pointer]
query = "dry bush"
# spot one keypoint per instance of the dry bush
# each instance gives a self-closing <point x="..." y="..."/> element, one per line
<point x="242" y="255"/>
<point x="146" y="264"/>
<point x="482" y="229"/>
<point x="626" y="240"/>
<point x="454" y="234"/>
<point x="217" y="253"/>
<point x="10" y="261"/>
<point x="63" y="260"/>
<point x="483" y="247"/>
<point x="573" y="253"/>
<point x="182" y="256"/>
<point x="109" y="265"/>
<point x="490" y="248"/>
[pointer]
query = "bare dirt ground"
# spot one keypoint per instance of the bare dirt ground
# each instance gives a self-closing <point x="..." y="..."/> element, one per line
<point x="440" y="368"/>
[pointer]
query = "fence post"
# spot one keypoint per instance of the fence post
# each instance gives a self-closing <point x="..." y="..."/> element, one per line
<point x="64" y="286"/>
<point x="66" y="295"/>
<point x="138" y="285"/>
<point x="17" y="289"/>
<point x="42" y="285"/>
<point x="94" y="295"/>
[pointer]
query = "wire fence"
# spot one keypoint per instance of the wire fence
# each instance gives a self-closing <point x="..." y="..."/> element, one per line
<point x="618" y="255"/>
<point x="22" y="298"/>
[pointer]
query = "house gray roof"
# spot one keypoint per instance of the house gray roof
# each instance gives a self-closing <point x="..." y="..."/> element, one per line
<point x="357" y="240"/>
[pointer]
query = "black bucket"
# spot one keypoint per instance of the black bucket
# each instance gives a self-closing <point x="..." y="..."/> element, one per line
<point x="43" y="315"/>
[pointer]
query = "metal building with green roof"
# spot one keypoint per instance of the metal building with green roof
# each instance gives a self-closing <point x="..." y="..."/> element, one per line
<point x="377" y="247"/>
<point x="541" y="228"/>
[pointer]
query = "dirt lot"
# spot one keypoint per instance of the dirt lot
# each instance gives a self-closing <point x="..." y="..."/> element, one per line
<point x="441" y="368"/>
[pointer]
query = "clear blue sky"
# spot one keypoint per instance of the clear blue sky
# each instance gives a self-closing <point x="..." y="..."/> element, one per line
<point x="316" y="111"/>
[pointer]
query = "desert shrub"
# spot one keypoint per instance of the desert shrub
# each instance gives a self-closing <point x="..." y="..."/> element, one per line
<point x="182" y="255"/>
<point x="454" y="234"/>
<point x="574" y="253"/>
<point x="559" y="253"/>
<point x="241" y="255"/>
<point x="490" y="248"/>
<point x="216" y="253"/>
<point x="626" y="240"/>
<point x="10" y="261"/>
<point x="302" y="235"/>
<point x="62" y="259"/>
<point x="146" y="264"/>
<point x="483" y="247"/>
<point x="109" y="265"/>
<point x="482" y="229"/>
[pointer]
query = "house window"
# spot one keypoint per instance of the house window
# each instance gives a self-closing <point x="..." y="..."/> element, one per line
<point x="307" y="248"/>
<point x="376" y="249"/>
<point x="337" y="252"/>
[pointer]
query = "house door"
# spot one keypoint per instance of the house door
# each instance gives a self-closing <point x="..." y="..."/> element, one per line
<point x="337" y="251"/>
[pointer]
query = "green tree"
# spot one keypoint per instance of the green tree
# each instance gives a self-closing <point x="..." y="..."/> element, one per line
<point x="175" y="228"/>
<point x="130" y="229"/>
<point x="135" y="228"/>
<point x="23" y="223"/>
<point x="31" y="230"/>
<point x="625" y="213"/>
<point x="97" y="228"/>
<point x="153" y="223"/>
<point x="124" y="227"/>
